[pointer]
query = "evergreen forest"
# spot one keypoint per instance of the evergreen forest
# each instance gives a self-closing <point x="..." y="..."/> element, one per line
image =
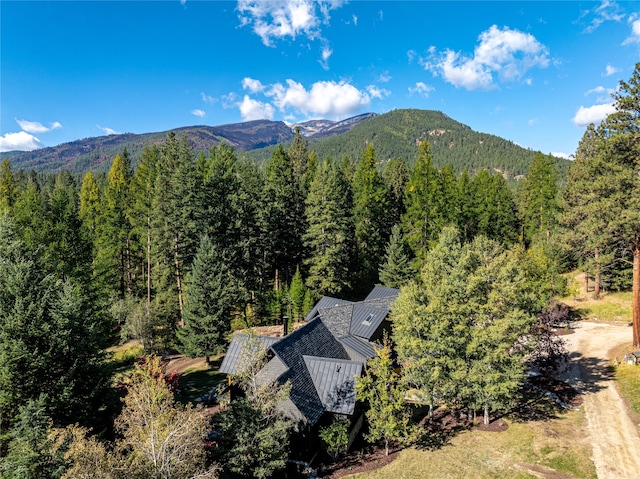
<point x="177" y="249"/>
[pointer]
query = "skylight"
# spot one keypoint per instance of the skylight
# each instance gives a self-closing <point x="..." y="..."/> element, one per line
<point x="368" y="319"/>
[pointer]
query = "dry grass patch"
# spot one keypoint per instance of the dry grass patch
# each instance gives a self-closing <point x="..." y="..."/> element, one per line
<point x="608" y="307"/>
<point x="557" y="444"/>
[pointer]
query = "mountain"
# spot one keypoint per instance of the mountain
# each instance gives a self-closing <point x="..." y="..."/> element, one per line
<point x="398" y="133"/>
<point x="395" y="134"/>
<point x="324" y="128"/>
<point x="97" y="153"/>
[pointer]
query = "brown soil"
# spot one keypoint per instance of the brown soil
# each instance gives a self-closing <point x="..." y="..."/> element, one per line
<point x="180" y="363"/>
<point x="497" y="425"/>
<point x="360" y="461"/>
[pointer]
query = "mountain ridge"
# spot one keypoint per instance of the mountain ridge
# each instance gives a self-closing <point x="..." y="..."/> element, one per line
<point x="395" y="134"/>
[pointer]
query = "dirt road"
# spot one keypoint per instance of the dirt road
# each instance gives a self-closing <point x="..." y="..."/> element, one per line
<point x="614" y="436"/>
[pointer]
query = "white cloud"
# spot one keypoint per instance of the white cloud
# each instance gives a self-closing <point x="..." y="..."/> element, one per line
<point x="533" y="121"/>
<point x="375" y="92"/>
<point x="421" y="88"/>
<point x="326" y="54"/>
<point x="107" y="130"/>
<point x="606" y="11"/>
<point x="198" y="113"/>
<point x="229" y="101"/>
<point x="355" y="20"/>
<point x="327" y="99"/>
<point x="277" y="19"/>
<point x="610" y="70"/>
<point x="208" y="98"/>
<point x="384" y="77"/>
<point x="603" y="94"/>
<point x="36" y="127"/>
<point x="411" y="55"/>
<point x="507" y="53"/>
<point x="598" y="89"/>
<point x="592" y="114"/>
<point x="559" y="154"/>
<point x="21" y="141"/>
<point x="254" y="86"/>
<point x="251" y="109"/>
<point x="634" y="21"/>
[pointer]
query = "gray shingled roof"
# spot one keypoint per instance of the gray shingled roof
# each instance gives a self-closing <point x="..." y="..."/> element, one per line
<point x="238" y="352"/>
<point x="324" y="302"/>
<point x="366" y="320"/>
<point x="334" y="381"/>
<point x="337" y="319"/>
<point x="382" y="292"/>
<point x="358" y="349"/>
<point x="313" y="339"/>
<point x="271" y="371"/>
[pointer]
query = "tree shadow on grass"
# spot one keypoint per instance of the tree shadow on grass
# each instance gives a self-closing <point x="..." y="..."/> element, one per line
<point x="437" y="431"/>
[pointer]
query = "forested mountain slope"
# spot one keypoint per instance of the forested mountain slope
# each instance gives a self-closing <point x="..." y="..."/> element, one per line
<point x="398" y="134"/>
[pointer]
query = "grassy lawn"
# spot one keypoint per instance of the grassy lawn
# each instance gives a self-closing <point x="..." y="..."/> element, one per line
<point x="199" y="380"/>
<point x="557" y="444"/>
<point x="628" y="380"/>
<point x="627" y="376"/>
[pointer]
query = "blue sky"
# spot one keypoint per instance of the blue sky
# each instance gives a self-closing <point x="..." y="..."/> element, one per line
<point x="535" y="73"/>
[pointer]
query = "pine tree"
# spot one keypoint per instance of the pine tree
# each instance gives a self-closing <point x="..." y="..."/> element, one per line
<point x="607" y="214"/>
<point x="209" y="303"/>
<point x="283" y="200"/>
<point x="396" y="176"/>
<point x="369" y="209"/>
<point x="419" y="220"/>
<point x="114" y="256"/>
<point x="396" y="270"/>
<point x="140" y="214"/>
<point x="538" y="198"/>
<point x="8" y="189"/>
<point x="297" y="292"/>
<point x="52" y="337"/>
<point x="329" y="239"/>
<point x="89" y="203"/>
<point x="494" y="208"/>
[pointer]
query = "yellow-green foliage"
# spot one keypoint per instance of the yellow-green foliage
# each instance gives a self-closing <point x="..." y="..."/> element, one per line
<point x="126" y="354"/>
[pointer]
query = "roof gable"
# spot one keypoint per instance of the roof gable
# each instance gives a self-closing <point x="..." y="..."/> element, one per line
<point x="313" y="339"/>
<point x="334" y="381"/>
<point x="382" y="292"/>
<point x="324" y="302"/>
<point x="366" y="319"/>
<point x="239" y="352"/>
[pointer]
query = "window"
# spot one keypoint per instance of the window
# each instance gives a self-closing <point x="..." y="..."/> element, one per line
<point x="368" y="319"/>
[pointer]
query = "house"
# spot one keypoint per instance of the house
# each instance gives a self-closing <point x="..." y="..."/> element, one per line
<point x="322" y="358"/>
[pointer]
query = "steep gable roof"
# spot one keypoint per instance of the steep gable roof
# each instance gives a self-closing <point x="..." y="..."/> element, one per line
<point x="334" y="380"/>
<point x="382" y="292"/>
<point x="238" y="352"/>
<point x="313" y="339"/>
